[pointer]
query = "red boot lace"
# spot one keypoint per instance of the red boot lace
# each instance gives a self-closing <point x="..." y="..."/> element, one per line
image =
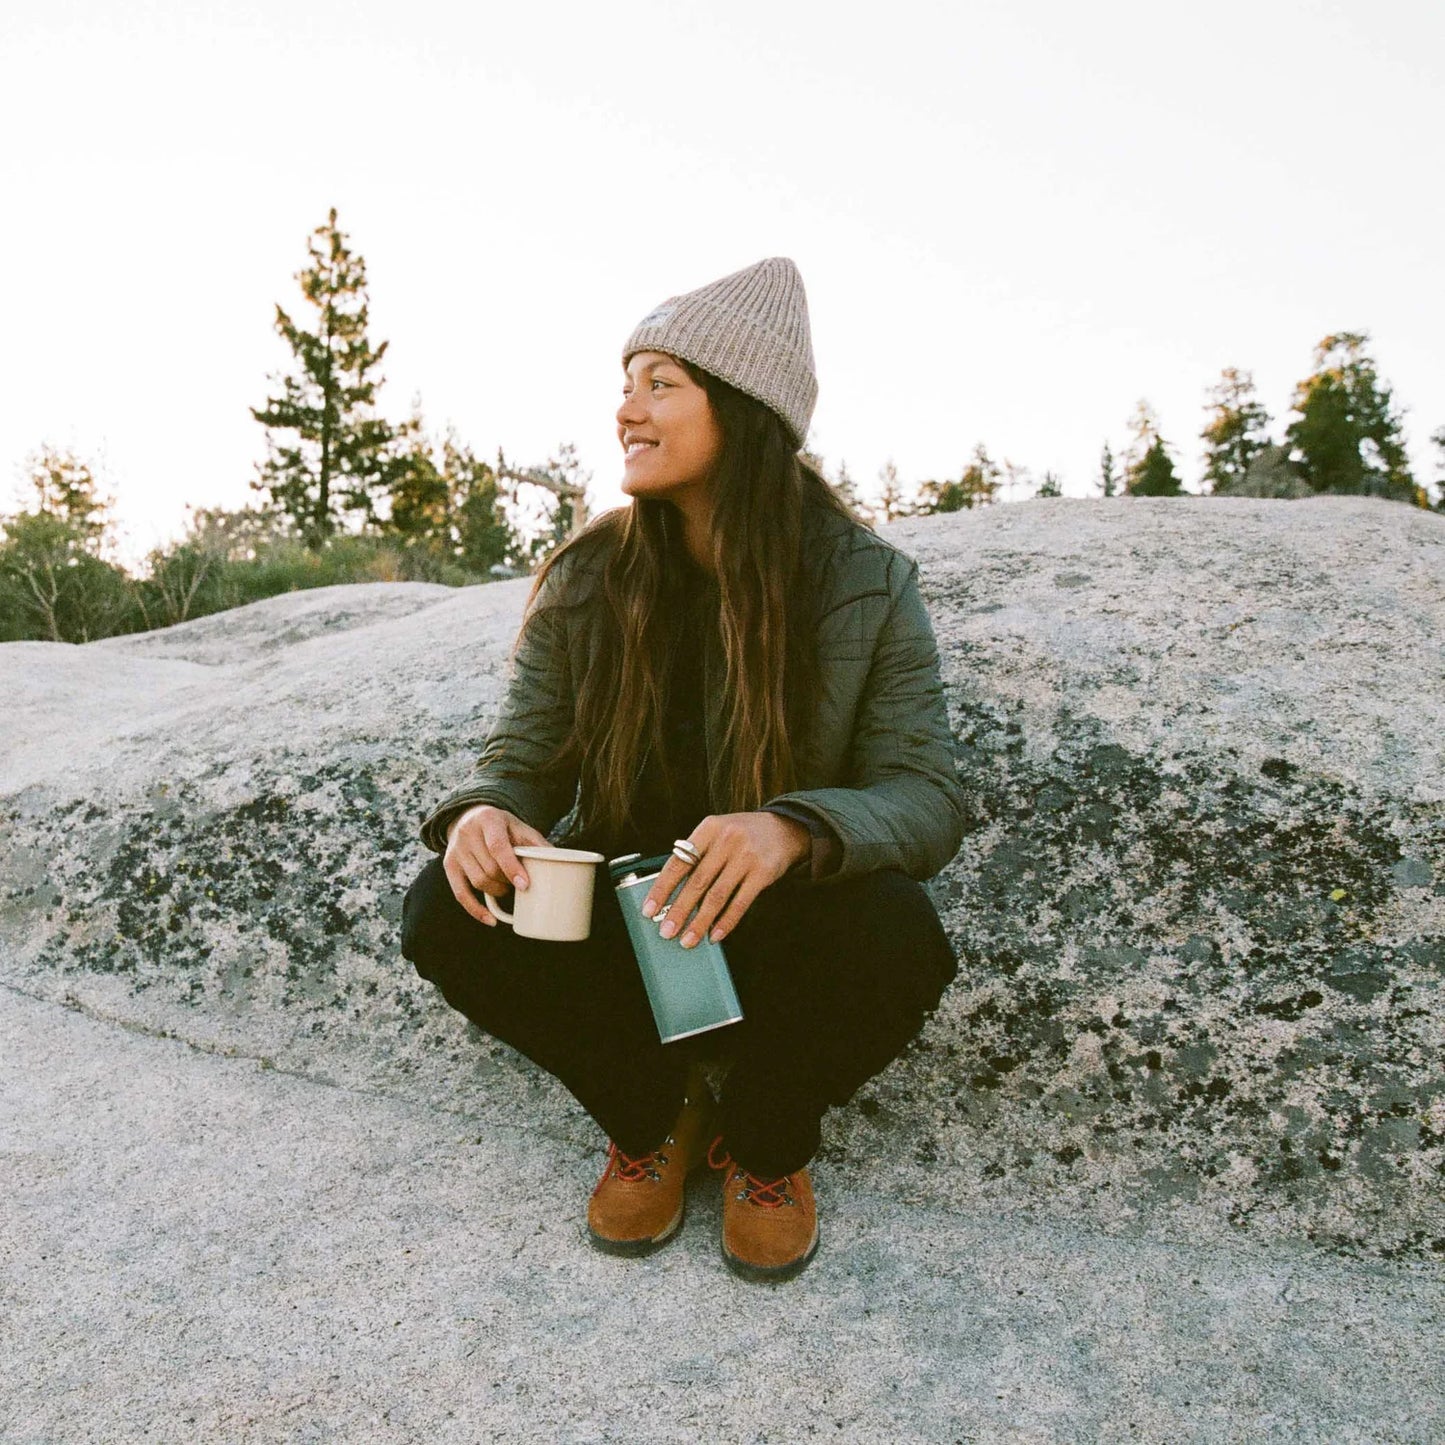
<point x="769" y="1195"/>
<point x="634" y="1171"/>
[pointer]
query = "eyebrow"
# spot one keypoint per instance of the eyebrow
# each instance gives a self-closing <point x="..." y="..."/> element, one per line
<point x="652" y="366"/>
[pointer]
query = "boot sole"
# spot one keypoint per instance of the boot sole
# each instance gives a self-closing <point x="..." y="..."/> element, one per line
<point x="633" y="1248"/>
<point x="770" y="1274"/>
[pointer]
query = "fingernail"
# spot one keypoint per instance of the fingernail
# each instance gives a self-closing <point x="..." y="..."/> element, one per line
<point x="520" y="880"/>
<point x="717" y="935"/>
<point x="649" y="908"/>
<point x="669" y="928"/>
<point x="689" y="939"/>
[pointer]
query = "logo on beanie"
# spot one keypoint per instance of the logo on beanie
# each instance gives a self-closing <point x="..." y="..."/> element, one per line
<point x="655" y="318"/>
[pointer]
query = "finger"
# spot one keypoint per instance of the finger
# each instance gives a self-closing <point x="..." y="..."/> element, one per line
<point x="499" y="845"/>
<point x="717" y="900"/>
<point x="462" y="891"/>
<point x="693" y="891"/>
<point x="732" y="915"/>
<point x="672" y="874"/>
<point x="479" y="867"/>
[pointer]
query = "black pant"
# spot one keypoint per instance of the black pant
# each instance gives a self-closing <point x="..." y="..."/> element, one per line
<point x="833" y="980"/>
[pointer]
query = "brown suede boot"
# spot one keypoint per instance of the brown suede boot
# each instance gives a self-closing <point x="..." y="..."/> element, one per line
<point x="638" y="1203"/>
<point x="769" y="1229"/>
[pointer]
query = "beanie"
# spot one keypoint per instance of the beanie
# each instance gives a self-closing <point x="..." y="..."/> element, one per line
<point x="751" y="329"/>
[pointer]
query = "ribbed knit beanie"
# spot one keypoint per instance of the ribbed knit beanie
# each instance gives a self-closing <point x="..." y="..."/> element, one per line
<point x="751" y="329"/>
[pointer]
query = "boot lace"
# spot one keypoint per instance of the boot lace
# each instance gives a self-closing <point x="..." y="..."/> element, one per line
<point x="634" y="1171"/>
<point x="770" y="1195"/>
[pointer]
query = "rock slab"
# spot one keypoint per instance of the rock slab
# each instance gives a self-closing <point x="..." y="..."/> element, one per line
<point x="279" y="1260"/>
<point x="1200" y="910"/>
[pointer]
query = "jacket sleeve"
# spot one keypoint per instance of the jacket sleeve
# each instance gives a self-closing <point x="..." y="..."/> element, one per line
<point x="824" y="850"/>
<point x="515" y="769"/>
<point x="902" y="806"/>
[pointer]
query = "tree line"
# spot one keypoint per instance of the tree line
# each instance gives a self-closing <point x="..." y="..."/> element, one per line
<point x="1345" y="435"/>
<point x="346" y="496"/>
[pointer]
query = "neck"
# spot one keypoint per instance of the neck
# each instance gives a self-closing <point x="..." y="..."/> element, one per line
<point x="696" y="514"/>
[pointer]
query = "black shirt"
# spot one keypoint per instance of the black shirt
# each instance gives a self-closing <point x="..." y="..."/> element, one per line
<point x="670" y="802"/>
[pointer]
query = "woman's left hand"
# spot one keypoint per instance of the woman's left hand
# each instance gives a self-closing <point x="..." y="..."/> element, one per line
<point x="740" y="854"/>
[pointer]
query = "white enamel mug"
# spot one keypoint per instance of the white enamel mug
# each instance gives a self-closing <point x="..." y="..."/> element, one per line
<point x="558" y="903"/>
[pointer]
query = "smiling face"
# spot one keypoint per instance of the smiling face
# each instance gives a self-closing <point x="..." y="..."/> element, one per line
<point x="670" y="438"/>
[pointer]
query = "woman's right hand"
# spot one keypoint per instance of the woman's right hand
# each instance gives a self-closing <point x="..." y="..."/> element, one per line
<point x="480" y="857"/>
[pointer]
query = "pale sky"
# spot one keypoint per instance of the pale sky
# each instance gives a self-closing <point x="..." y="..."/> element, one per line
<point x="1012" y="220"/>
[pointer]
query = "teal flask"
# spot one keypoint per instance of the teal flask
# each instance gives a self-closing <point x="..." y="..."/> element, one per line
<point x="690" y="989"/>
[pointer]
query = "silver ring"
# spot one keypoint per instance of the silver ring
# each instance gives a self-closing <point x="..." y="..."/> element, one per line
<point x="684" y="852"/>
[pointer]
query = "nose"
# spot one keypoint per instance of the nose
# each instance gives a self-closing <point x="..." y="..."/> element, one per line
<point x="631" y="409"/>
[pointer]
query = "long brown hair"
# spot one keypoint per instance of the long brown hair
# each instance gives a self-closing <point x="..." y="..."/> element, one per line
<point x="762" y="487"/>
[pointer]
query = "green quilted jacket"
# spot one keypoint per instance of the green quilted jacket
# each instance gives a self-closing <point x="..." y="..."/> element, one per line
<point x="880" y="767"/>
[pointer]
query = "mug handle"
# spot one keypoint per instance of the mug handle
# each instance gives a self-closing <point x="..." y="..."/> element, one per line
<point x="498" y="911"/>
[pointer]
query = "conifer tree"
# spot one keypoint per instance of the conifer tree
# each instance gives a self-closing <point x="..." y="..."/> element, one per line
<point x="1236" y="432"/>
<point x="1108" y="477"/>
<point x="1154" y="476"/>
<point x="1345" y="435"/>
<point x="1437" y="440"/>
<point x="420" y="498"/>
<point x="1148" y="470"/>
<point x="483" y="538"/>
<point x="336" y="462"/>
<point x="977" y="486"/>
<point x="892" y="498"/>
<point x="1050" y="486"/>
<point x="1143" y="429"/>
<point x="847" y="487"/>
<point x="843" y="483"/>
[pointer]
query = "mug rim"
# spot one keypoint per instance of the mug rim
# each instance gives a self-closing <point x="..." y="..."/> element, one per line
<point x="549" y="854"/>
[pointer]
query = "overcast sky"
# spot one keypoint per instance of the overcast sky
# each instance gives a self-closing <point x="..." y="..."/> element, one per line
<point x="1013" y="220"/>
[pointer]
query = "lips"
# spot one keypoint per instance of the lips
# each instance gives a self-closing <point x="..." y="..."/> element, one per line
<point x="636" y="448"/>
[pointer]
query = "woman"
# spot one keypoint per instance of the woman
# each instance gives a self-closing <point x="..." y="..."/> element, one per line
<point x="734" y="668"/>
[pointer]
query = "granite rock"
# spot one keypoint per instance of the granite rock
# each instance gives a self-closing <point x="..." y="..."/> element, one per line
<point x="1200" y="910"/>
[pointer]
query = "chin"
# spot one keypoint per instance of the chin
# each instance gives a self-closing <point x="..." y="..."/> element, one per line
<point x="649" y="489"/>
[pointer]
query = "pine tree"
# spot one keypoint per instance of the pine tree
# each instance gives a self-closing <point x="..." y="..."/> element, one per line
<point x="846" y="487"/>
<point x="1143" y="430"/>
<point x="981" y="478"/>
<point x="1108" y="478"/>
<point x="420" y="498"/>
<point x="1050" y="486"/>
<point x="892" y="498"/>
<point x="483" y="538"/>
<point x="1155" y="475"/>
<point x="1437" y="440"/>
<point x="977" y="486"/>
<point x="1236" y="432"/>
<point x="1148" y="470"/>
<point x="340" y="462"/>
<point x="1345" y="436"/>
<point x="843" y="484"/>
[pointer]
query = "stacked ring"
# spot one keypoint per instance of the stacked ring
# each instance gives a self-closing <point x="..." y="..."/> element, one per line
<point x="684" y="852"/>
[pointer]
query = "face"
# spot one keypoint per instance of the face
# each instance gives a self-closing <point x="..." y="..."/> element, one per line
<point x="664" y="408"/>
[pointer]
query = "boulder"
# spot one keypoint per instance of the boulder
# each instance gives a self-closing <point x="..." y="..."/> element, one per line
<point x="1200" y="910"/>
